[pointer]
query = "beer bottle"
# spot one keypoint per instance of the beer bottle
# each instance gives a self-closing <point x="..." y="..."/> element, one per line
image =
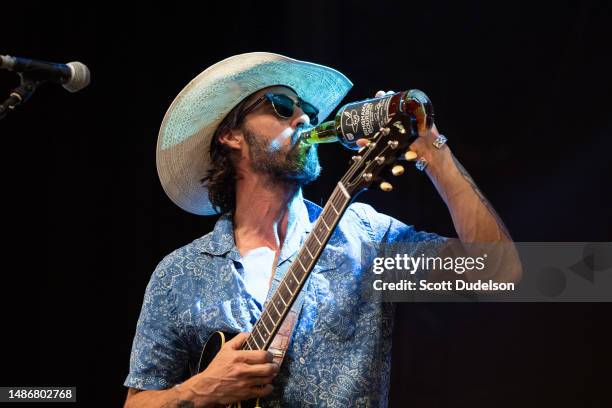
<point x="361" y="120"/>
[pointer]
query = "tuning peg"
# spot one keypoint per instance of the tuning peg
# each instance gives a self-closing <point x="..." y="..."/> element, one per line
<point x="397" y="170"/>
<point x="400" y="127"/>
<point x="410" y="155"/>
<point x="386" y="187"/>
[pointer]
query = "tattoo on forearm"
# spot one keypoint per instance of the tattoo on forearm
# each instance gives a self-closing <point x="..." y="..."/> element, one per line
<point x="482" y="198"/>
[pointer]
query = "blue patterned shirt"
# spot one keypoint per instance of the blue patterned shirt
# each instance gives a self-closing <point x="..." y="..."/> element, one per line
<point x="340" y="351"/>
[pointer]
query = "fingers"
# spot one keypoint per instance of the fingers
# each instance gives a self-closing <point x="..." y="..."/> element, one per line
<point x="259" y="392"/>
<point x="254" y="356"/>
<point x="261" y="370"/>
<point x="237" y="341"/>
<point x="362" y="142"/>
<point x="261" y="380"/>
<point x="381" y="93"/>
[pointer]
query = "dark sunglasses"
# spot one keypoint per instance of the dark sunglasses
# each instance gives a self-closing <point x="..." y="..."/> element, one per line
<point x="284" y="106"/>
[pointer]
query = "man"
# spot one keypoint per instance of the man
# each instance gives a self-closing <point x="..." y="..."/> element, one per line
<point x="228" y="143"/>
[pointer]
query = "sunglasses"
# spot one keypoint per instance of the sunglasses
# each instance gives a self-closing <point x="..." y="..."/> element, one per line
<point x="284" y="106"/>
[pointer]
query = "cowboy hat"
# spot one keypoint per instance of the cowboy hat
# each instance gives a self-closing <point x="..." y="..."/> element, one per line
<point x="183" y="143"/>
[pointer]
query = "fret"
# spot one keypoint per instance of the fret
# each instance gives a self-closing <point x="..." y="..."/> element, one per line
<point x="309" y="243"/>
<point x="287" y="286"/>
<point x="336" y="200"/>
<point x="292" y="283"/>
<point x="267" y="312"/>
<point x="308" y="250"/>
<point x="343" y="189"/>
<point x="257" y="346"/>
<point x="248" y="344"/>
<point x="328" y="219"/>
<point x="277" y="312"/>
<point x="320" y="230"/>
<point x="256" y="330"/>
<point x="277" y="302"/>
<point x="341" y="198"/>
<point x="264" y="325"/>
<point x="280" y="295"/>
<point x="323" y="220"/>
<point x="331" y="205"/>
<point x="301" y="265"/>
<point x="296" y="279"/>
<point x="320" y="234"/>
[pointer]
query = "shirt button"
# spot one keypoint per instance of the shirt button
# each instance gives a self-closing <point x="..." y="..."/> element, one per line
<point x="302" y="360"/>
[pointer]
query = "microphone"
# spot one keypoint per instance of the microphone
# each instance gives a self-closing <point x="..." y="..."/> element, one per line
<point x="73" y="76"/>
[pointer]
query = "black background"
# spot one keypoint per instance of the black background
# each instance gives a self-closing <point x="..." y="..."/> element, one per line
<point x="522" y="90"/>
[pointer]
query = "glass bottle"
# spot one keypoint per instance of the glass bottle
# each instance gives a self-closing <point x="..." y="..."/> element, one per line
<point x="361" y="120"/>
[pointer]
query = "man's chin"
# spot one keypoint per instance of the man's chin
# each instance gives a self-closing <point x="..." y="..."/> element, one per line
<point x="299" y="178"/>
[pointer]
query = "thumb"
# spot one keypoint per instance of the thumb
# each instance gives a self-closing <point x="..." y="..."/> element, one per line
<point x="237" y="341"/>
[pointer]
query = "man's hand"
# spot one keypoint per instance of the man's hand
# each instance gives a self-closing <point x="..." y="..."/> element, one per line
<point x="423" y="145"/>
<point x="233" y="375"/>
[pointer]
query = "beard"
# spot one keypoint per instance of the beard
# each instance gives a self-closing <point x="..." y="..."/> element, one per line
<point x="299" y="165"/>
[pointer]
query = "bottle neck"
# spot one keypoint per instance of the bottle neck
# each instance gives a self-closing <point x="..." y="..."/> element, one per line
<point x="323" y="133"/>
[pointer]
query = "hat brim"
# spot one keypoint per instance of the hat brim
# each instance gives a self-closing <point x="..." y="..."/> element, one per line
<point x="183" y="144"/>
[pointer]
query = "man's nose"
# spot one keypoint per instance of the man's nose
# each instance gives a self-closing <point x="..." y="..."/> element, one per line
<point x="299" y="118"/>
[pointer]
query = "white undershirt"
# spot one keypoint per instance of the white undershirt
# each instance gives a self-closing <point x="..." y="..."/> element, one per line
<point x="257" y="264"/>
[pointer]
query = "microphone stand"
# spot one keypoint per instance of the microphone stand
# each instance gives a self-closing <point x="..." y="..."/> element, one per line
<point x="19" y="95"/>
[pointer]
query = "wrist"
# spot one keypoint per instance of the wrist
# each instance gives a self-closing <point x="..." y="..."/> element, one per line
<point x="445" y="175"/>
<point x="440" y="163"/>
<point x="185" y="392"/>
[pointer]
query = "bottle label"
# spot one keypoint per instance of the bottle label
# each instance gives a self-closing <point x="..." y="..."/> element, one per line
<point x="363" y="119"/>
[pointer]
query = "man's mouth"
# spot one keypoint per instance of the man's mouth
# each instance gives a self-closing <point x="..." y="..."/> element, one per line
<point x="296" y="137"/>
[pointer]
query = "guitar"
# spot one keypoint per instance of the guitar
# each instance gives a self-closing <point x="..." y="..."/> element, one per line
<point x="386" y="146"/>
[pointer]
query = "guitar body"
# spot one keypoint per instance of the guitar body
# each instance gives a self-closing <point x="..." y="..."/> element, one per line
<point x="210" y="350"/>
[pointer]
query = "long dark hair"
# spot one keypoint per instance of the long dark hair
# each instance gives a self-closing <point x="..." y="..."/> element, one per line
<point x="221" y="176"/>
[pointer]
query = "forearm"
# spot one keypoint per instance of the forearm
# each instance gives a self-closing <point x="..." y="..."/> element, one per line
<point x="175" y="397"/>
<point x="473" y="216"/>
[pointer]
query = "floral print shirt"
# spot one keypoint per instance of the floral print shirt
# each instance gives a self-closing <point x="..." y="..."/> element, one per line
<point x="340" y="351"/>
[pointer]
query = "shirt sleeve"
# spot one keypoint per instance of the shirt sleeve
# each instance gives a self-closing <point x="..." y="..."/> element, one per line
<point x="159" y="356"/>
<point x="388" y="230"/>
<point x="389" y="237"/>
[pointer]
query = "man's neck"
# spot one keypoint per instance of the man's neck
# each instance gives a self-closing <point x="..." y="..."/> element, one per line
<point x="262" y="214"/>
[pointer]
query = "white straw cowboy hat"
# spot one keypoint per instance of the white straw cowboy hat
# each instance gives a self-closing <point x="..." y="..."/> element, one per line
<point x="183" y="155"/>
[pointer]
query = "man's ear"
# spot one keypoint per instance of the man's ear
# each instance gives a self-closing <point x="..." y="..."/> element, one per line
<point x="232" y="138"/>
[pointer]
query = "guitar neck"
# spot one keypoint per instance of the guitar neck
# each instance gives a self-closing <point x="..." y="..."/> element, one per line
<point x="290" y="286"/>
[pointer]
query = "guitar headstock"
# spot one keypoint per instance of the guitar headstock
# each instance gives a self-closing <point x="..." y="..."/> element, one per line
<point x="385" y="148"/>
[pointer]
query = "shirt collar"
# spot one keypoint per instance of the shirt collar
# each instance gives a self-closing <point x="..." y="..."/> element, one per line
<point x="221" y="240"/>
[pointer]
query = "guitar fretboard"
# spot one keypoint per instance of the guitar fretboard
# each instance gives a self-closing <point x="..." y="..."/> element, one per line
<point x="290" y="286"/>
